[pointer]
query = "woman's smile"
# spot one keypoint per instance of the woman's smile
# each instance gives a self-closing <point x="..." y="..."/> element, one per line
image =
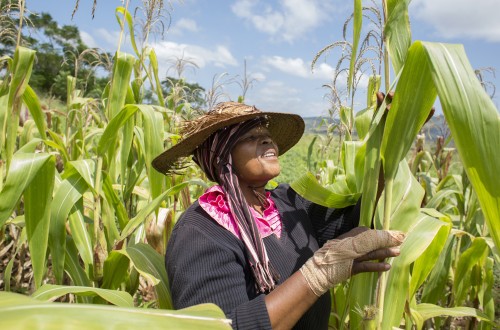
<point x="271" y="154"/>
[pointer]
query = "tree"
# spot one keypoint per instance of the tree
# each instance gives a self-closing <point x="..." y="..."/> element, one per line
<point x="60" y="52"/>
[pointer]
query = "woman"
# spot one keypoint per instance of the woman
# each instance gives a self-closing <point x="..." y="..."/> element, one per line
<point x="267" y="258"/>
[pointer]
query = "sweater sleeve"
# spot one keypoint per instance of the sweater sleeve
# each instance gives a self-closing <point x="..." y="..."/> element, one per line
<point x="203" y="268"/>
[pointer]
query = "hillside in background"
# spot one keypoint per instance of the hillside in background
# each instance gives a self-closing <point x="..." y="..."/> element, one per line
<point x="432" y="129"/>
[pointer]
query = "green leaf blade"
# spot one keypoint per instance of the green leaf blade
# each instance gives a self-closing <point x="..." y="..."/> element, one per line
<point x="474" y="124"/>
<point x="49" y="292"/>
<point x="37" y="205"/>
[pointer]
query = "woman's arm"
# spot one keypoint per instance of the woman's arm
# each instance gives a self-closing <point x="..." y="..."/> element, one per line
<point x="289" y="301"/>
<point x="206" y="263"/>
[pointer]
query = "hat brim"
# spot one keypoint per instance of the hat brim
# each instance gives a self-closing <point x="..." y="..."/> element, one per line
<point x="285" y="128"/>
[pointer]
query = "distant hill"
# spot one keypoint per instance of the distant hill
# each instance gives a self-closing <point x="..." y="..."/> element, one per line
<point x="435" y="127"/>
<point x="317" y="124"/>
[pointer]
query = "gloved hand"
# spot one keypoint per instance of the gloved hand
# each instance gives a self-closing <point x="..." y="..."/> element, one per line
<point x="333" y="262"/>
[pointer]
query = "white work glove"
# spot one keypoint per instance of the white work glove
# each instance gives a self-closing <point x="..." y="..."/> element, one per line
<point x="333" y="262"/>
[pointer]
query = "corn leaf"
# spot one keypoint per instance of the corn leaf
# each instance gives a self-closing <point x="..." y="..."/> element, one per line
<point x="33" y="103"/>
<point x="111" y="231"/>
<point x="80" y="234"/>
<point x="115" y="270"/>
<point x="406" y="200"/>
<point x="85" y="168"/>
<point x="358" y="21"/>
<point x="139" y="219"/>
<point x="427" y="311"/>
<point x="154" y="64"/>
<point x="362" y="121"/>
<point x="475" y="254"/>
<point x="66" y="196"/>
<point x="418" y="239"/>
<point x="151" y="265"/>
<point x="73" y="268"/>
<point x="122" y="70"/>
<point x="308" y="187"/>
<point x="4" y="116"/>
<point x="362" y="294"/>
<point x="20" y="75"/>
<point x="7" y="273"/>
<point x="127" y="141"/>
<point x="58" y="144"/>
<point x="27" y="133"/>
<point x="371" y="175"/>
<point x="50" y="292"/>
<point x="130" y="22"/>
<point x="21" y="312"/>
<point x="474" y="124"/>
<point x="486" y="291"/>
<point x="412" y="102"/>
<point x="427" y="260"/>
<point x="23" y="170"/>
<point x="435" y="287"/>
<point x="108" y="140"/>
<point x="114" y="200"/>
<point x="353" y="173"/>
<point x="153" y="140"/>
<point x="37" y="205"/>
<point x="397" y="32"/>
<point x="371" y="94"/>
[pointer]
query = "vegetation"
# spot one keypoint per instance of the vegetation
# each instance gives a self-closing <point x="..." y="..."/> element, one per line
<point x="84" y="219"/>
<point x="452" y="220"/>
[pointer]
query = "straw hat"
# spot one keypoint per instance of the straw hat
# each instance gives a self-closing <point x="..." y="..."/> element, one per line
<point x="286" y="130"/>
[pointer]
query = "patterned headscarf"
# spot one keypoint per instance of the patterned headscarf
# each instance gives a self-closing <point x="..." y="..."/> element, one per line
<point x="214" y="158"/>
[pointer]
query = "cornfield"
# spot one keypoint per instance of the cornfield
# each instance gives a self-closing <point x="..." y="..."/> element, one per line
<point x="84" y="218"/>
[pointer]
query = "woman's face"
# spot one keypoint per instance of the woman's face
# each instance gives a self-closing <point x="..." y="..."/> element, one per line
<point x="255" y="157"/>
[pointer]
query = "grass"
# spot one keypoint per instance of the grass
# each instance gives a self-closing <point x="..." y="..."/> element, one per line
<point x="294" y="162"/>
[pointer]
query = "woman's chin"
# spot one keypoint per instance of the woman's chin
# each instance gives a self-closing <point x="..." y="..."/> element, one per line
<point x="273" y="175"/>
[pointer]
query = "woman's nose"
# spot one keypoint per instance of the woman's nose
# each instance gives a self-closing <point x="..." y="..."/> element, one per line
<point x="267" y="139"/>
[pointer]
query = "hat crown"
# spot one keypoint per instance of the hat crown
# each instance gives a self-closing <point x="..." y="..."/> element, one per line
<point x="222" y="111"/>
<point x="235" y="108"/>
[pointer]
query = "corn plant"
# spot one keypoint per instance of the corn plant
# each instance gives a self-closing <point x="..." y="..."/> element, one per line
<point x="424" y="72"/>
<point x="81" y="201"/>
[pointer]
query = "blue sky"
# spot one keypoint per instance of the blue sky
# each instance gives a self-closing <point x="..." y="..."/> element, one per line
<point x="279" y="39"/>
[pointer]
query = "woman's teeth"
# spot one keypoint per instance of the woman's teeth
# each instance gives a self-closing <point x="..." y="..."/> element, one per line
<point x="269" y="154"/>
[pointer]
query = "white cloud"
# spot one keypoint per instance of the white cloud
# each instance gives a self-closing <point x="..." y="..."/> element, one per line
<point x="293" y="19"/>
<point x="259" y="76"/>
<point x="476" y="19"/>
<point x="276" y="96"/>
<point x="182" y="25"/>
<point x="220" y="56"/>
<point x="279" y="97"/>
<point x="110" y="37"/>
<point x="298" y="67"/>
<point x="88" y="39"/>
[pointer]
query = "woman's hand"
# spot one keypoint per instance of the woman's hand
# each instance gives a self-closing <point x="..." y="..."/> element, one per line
<point x="335" y="262"/>
<point x="364" y="263"/>
<point x="350" y="254"/>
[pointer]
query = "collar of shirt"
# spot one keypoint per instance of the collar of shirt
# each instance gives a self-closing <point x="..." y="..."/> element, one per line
<point x="214" y="202"/>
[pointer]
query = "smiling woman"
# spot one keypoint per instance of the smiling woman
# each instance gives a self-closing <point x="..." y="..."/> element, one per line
<point x="255" y="159"/>
<point x="267" y="258"/>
